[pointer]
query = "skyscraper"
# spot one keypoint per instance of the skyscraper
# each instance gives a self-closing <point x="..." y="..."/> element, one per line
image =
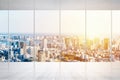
<point x="106" y="43"/>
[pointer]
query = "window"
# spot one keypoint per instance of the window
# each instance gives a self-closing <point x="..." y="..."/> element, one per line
<point x="73" y="34"/>
<point x="4" y="44"/>
<point x="115" y="56"/>
<point x="21" y="36"/>
<point x="47" y="35"/>
<point x="98" y="35"/>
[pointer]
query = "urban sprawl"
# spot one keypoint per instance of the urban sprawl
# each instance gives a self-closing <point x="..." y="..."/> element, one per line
<point x="57" y="48"/>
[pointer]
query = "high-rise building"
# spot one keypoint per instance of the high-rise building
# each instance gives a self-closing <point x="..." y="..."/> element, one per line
<point x="44" y="44"/>
<point x="67" y="42"/>
<point x="106" y="43"/>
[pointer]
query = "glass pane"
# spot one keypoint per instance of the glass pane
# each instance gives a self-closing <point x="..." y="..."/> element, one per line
<point x="47" y="35"/>
<point x="115" y="35"/>
<point x="4" y="36"/>
<point x="21" y="36"/>
<point x="98" y="35"/>
<point x="4" y="44"/>
<point x="73" y="35"/>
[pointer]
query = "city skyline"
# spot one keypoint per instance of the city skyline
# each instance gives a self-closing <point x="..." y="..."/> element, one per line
<point x="60" y="39"/>
<point x="68" y="36"/>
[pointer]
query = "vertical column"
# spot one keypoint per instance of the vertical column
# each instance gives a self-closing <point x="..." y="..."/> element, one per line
<point x="34" y="74"/>
<point x="59" y="71"/>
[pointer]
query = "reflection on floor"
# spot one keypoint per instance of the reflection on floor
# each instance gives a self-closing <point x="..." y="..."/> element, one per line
<point x="60" y="71"/>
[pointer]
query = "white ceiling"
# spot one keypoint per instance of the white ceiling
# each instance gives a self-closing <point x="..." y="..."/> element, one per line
<point x="59" y="4"/>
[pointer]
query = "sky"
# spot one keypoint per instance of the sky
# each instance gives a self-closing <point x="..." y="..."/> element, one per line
<point x="98" y="22"/>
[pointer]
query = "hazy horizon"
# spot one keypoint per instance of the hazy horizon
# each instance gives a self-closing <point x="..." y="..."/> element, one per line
<point x="73" y="22"/>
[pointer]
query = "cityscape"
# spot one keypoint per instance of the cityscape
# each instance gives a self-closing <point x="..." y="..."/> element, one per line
<point x="59" y="39"/>
<point x="57" y="48"/>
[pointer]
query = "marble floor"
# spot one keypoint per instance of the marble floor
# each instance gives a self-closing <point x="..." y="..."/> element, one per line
<point x="60" y="71"/>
